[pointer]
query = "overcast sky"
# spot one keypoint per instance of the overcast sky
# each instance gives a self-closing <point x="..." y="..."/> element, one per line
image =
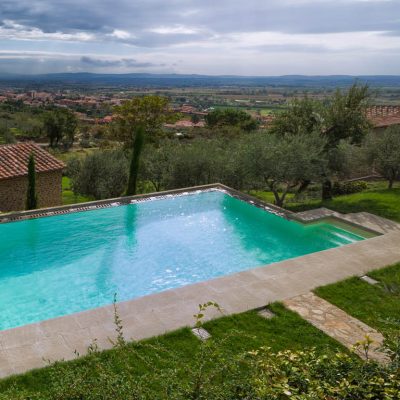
<point x="241" y="37"/>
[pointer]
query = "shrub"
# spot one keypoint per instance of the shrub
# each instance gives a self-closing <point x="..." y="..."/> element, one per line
<point x="102" y="174"/>
<point x="340" y="188"/>
<point x="307" y="375"/>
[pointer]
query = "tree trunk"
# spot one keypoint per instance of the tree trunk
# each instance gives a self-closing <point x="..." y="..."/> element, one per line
<point x="279" y="200"/>
<point x="391" y="181"/>
<point x="327" y="189"/>
<point x="276" y="195"/>
<point x="303" y="186"/>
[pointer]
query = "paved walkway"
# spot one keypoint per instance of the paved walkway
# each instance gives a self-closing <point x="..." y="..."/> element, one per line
<point x="336" y="323"/>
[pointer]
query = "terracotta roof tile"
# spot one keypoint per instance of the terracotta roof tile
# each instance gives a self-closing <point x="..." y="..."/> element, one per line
<point x="14" y="160"/>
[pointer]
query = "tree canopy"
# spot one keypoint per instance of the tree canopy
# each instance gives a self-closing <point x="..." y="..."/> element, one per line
<point x="281" y="164"/>
<point x="341" y="118"/>
<point x="301" y="116"/>
<point x="148" y="112"/>
<point x="383" y="151"/>
<point x="60" y="126"/>
<point x="231" y="117"/>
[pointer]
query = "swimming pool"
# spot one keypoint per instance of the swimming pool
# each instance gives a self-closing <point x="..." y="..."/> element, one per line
<point x="63" y="264"/>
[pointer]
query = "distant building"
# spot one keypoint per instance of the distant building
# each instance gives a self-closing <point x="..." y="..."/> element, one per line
<point x="382" y="117"/>
<point x="185" y="124"/>
<point x="14" y="171"/>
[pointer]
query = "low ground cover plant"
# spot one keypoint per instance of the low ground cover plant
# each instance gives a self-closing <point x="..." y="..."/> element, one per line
<point x="157" y="370"/>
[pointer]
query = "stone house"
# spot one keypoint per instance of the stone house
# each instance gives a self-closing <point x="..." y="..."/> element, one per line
<point x="14" y="176"/>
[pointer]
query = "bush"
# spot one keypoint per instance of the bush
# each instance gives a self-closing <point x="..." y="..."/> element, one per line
<point x="307" y="375"/>
<point x="340" y="188"/>
<point x="102" y="174"/>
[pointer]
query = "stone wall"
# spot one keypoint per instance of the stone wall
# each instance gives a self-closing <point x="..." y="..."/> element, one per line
<point x="13" y="191"/>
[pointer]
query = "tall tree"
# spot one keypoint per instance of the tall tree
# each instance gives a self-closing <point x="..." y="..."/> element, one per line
<point x="31" y="197"/>
<point x="148" y="112"/>
<point x="345" y="118"/>
<point x="303" y="116"/>
<point x="135" y="161"/>
<point x="137" y="121"/>
<point x="60" y="125"/>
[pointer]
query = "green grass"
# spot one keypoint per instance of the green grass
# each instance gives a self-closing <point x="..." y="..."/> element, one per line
<point x="377" y="200"/>
<point x="68" y="196"/>
<point x="376" y="305"/>
<point x="75" y="153"/>
<point x="233" y="334"/>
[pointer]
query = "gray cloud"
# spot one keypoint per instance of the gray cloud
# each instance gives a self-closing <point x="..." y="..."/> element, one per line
<point x="207" y="36"/>
<point x="124" y="62"/>
<point x="210" y="18"/>
<point x="37" y="62"/>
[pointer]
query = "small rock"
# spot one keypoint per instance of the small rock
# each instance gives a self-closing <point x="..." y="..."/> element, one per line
<point x="201" y="333"/>
<point x="369" y="280"/>
<point x="265" y="313"/>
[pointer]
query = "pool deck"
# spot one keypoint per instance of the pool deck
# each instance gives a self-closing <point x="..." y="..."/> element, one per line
<point x="33" y="346"/>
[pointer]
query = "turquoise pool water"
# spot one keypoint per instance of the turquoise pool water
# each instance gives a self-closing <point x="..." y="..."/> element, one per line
<point x="59" y="265"/>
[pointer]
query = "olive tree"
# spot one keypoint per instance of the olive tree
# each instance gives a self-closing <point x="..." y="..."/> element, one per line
<point x="281" y="164"/>
<point x="193" y="164"/>
<point x="341" y="118"/>
<point x="383" y="151"/>
<point x="345" y="119"/>
<point x="301" y="116"/>
<point x="60" y="126"/>
<point x="156" y="164"/>
<point x="101" y="175"/>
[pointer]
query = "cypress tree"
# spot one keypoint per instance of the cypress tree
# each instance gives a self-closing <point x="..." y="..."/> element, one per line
<point x="134" y="166"/>
<point x="31" y="198"/>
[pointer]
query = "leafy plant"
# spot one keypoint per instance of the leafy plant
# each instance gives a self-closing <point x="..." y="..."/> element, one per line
<point x="341" y="188"/>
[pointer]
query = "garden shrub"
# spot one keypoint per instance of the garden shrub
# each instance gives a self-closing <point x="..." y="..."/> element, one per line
<point x="341" y="188"/>
<point x="102" y="174"/>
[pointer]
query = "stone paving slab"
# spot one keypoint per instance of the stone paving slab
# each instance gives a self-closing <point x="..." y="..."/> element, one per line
<point x="26" y="347"/>
<point x="372" y="221"/>
<point x="362" y="219"/>
<point x="337" y="324"/>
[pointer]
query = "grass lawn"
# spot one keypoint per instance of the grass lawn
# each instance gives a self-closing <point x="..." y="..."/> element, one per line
<point x="75" y="153"/>
<point x="233" y="334"/>
<point x="68" y="196"/>
<point x="376" y="305"/>
<point x="377" y="199"/>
